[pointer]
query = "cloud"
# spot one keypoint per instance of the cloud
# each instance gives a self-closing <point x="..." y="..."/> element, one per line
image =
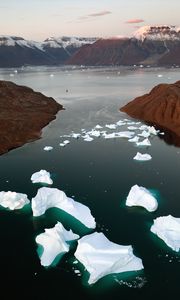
<point x="134" y="21"/>
<point x="100" y="14"/>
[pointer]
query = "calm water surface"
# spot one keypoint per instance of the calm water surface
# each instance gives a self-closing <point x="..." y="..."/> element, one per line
<point x="99" y="174"/>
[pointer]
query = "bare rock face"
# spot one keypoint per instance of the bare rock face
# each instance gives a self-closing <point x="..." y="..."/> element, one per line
<point x="23" y="113"/>
<point x="161" y="107"/>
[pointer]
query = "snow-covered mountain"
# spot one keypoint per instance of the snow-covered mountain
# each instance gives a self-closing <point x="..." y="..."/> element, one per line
<point x="16" y="51"/>
<point x="158" y="33"/>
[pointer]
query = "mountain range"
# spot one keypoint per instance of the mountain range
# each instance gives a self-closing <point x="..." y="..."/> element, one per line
<point x="149" y="45"/>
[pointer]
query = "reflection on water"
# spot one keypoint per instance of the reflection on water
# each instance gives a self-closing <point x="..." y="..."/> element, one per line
<point x="98" y="174"/>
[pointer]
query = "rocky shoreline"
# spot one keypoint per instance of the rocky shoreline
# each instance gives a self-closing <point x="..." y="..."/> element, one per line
<point x="23" y="114"/>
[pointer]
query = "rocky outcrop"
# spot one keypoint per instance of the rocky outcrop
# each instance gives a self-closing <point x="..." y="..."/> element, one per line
<point x="161" y="107"/>
<point x="23" y="113"/>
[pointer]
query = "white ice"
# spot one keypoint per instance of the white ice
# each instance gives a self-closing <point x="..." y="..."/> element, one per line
<point x="76" y="135"/>
<point x="48" y="148"/>
<point x="102" y="257"/>
<point x="140" y="196"/>
<point x="54" y="243"/>
<point x="52" y="197"/>
<point x="144" y="134"/>
<point x="168" y="229"/>
<point x="111" y="126"/>
<point x="134" y="139"/>
<point x="145" y="142"/>
<point x="142" y="157"/>
<point x="98" y="126"/>
<point x="13" y="200"/>
<point x="41" y="176"/>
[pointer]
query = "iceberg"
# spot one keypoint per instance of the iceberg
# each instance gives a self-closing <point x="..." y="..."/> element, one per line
<point x="87" y="138"/>
<point x="132" y="127"/>
<point x="52" y="197"/>
<point x="13" y="200"/>
<point x="98" y="126"/>
<point x="102" y="257"/>
<point x="41" y="176"/>
<point x="140" y="196"/>
<point x="142" y="157"/>
<point x="53" y="241"/>
<point x="168" y="229"/>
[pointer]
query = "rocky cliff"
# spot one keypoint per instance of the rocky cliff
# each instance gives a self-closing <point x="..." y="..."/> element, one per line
<point x="161" y="107"/>
<point x="23" y="113"/>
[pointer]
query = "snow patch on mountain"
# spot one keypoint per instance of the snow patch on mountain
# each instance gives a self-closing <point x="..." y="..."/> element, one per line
<point x="12" y="41"/>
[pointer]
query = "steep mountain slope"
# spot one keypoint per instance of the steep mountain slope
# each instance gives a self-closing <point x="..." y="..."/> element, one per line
<point x="155" y="45"/>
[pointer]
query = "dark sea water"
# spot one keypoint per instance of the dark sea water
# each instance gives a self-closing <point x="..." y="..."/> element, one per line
<point x="98" y="174"/>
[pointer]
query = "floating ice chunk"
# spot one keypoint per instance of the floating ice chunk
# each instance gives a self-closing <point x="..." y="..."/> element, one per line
<point x="95" y="133"/>
<point x="98" y="126"/>
<point x="168" y="229"/>
<point x="140" y="196"/>
<point x="109" y="136"/>
<point x="51" y="75"/>
<point x="143" y="127"/>
<point x="145" y="142"/>
<point x="125" y="134"/>
<point x="87" y="138"/>
<point x="131" y="123"/>
<point x="66" y="142"/>
<point x="13" y="200"/>
<point x="152" y="130"/>
<point x="102" y="257"/>
<point x="120" y="123"/>
<point x="134" y="139"/>
<point x="159" y="75"/>
<point x="54" y="243"/>
<point x="111" y="126"/>
<point x="48" y="148"/>
<point x="132" y="127"/>
<point x="145" y="134"/>
<point x="52" y="197"/>
<point x="41" y="176"/>
<point x="142" y="157"/>
<point x="76" y="135"/>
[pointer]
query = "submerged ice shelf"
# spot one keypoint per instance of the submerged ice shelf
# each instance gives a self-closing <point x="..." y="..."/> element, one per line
<point x="54" y="242"/>
<point x="102" y="257"/>
<point x="52" y="197"/>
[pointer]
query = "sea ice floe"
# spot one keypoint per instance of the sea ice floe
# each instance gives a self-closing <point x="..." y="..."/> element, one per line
<point x="52" y="197"/>
<point x="41" y="176"/>
<point x="145" y="142"/>
<point x="142" y="157"/>
<point x="102" y="257"/>
<point x="48" y="148"/>
<point x="54" y="241"/>
<point x="140" y="196"/>
<point x="95" y="133"/>
<point x="120" y="123"/>
<point x="168" y="229"/>
<point x="13" y="200"/>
